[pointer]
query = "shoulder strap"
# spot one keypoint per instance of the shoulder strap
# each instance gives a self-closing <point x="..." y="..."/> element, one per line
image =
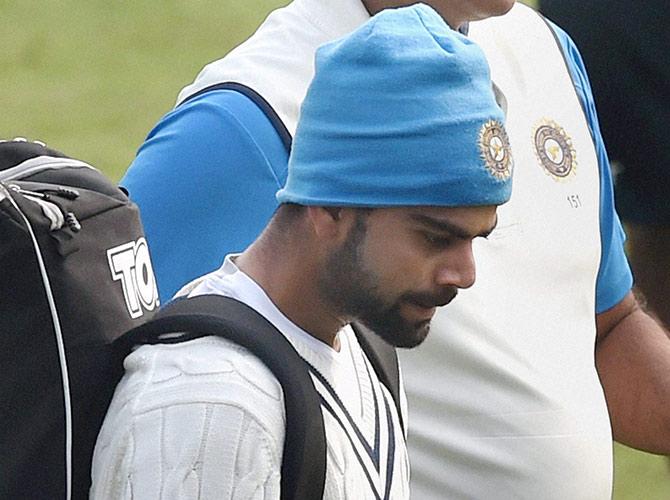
<point x="303" y="469"/>
<point x="383" y="359"/>
<point x="257" y="99"/>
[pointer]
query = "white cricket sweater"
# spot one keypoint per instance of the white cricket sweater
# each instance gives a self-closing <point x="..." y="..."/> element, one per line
<point x="205" y="418"/>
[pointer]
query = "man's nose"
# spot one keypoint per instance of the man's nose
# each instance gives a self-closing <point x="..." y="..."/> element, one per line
<point x="457" y="267"/>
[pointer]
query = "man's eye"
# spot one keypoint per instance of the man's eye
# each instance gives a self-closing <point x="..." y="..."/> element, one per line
<point x="436" y="240"/>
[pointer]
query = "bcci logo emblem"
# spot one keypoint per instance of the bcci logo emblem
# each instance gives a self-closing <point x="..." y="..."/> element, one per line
<point x="495" y="150"/>
<point x="553" y="148"/>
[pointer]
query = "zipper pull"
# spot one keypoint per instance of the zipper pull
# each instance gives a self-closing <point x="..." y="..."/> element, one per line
<point x="51" y="211"/>
<point x="45" y="194"/>
<point x="63" y="192"/>
<point x="54" y="213"/>
<point x="72" y="222"/>
<point x="26" y="192"/>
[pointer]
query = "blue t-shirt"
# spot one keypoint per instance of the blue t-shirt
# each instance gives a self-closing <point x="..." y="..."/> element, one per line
<point x="206" y="177"/>
<point x="205" y="180"/>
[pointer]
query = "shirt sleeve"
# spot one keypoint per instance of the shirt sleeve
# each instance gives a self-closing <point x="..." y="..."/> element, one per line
<point x="615" y="278"/>
<point x="189" y="451"/>
<point x="203" y="419"/>
<point x="205" y="181"/>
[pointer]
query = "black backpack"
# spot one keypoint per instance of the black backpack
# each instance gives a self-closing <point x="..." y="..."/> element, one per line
<point x="75" y="275"/>
<point x="303" y="469"/>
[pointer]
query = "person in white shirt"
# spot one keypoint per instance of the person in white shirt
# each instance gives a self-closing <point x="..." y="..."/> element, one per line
<point x="390" y="181"/>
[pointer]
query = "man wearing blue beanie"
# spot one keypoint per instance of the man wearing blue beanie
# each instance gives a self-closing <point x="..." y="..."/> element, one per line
<point x="543" y="362"/>
<point x="389" y="183"/>
<point x="524" y="381"/>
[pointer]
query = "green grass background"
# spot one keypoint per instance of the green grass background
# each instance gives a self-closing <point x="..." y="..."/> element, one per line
<point x="92" y="77"/>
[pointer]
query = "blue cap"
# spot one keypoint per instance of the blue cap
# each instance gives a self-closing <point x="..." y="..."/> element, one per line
<point x="400" y="112"/>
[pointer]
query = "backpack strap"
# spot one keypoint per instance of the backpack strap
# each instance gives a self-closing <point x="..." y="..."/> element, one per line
<point x="303" y="469"/>
<point x="383" y="359"/>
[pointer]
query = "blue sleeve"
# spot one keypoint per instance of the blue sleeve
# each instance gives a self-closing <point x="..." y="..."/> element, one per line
<point x="205" y="181"/>
<point x="615" y="278"/>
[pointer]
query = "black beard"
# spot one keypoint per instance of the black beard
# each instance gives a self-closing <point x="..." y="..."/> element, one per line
<point x="389" y="324"/>
<point x="394" y="329"/>
<point x="353" y="292"/>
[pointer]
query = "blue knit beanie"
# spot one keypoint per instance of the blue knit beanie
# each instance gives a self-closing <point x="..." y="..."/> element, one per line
<point x="400" y="113"/>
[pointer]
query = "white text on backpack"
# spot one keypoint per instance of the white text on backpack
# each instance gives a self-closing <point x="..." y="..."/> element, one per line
<point x="130" y="263"/>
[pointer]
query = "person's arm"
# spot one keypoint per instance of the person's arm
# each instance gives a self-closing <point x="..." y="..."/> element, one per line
<point x="205" y="181"/>
<point x="632" y="349"/>
<point x="201" y="419"/>
<point x="633" y="361"/>
<point x="188" y="451"/>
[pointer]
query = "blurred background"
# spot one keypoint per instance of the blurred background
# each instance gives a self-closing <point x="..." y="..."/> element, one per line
<point x="91" y="79"/>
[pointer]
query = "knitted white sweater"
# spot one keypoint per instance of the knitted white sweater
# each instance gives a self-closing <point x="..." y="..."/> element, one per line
<point x="205" y="418"/>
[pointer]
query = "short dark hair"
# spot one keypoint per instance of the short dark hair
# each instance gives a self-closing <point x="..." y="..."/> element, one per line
<point x="286" y="215"/>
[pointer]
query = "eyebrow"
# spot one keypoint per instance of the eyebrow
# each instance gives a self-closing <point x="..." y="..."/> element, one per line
<point x="446" y="226"/>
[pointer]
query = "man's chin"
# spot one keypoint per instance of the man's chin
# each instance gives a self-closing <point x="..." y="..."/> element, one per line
<point x="406" y="337"/>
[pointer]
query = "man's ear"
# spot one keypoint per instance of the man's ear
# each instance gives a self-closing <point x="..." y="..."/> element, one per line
<point x="329" y="222"/>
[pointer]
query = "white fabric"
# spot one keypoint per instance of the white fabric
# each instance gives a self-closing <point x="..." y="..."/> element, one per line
<point x="205" y="418"/>
<point x="278" y="61"/>
<point x="518" y="411"/>
<point x="526" y="412"/>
